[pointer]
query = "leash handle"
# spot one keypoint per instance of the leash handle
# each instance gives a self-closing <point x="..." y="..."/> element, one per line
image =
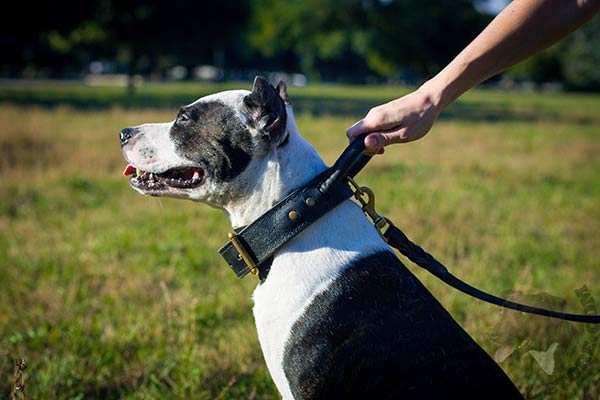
<point x="348" y="164"/>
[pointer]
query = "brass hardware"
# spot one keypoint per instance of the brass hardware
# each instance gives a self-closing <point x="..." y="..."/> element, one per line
<point x="293" y="215"/>
<point x="365" y="196"/>
<point x="243" y="253"/>
<point x="310" y="202"/>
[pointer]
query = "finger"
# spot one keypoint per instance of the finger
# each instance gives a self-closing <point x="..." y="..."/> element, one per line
<point x="373" y="141"/>
<point x="396" y="135"/>
<point x="356" y="129"/>
<point x="376" y="141"/>
<point x="365" y="125"/>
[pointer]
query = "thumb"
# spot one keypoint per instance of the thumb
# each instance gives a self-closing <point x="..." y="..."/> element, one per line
<point x="374" y="141"/>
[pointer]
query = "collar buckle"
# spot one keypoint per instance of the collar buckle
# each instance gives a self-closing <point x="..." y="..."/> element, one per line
<point x="243" y="253"/>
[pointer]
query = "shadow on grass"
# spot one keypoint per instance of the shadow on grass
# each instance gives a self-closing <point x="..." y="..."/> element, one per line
<point x="459" y="111"/>
<point x="316" y="105"/>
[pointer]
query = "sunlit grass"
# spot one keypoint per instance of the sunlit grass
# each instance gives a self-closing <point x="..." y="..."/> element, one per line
<point x="108" y="294"/>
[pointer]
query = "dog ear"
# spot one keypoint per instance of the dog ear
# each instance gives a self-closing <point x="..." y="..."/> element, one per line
<point x="266" y="106"/>
<point x="282" y="90"/>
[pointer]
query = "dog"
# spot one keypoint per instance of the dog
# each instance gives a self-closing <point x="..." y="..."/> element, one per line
<point x="338" y="315"/>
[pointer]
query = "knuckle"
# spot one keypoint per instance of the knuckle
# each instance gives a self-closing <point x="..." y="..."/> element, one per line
<point x="374" y="113"/>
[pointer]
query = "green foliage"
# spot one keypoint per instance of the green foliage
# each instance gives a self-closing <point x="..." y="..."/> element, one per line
<point x="581" y="56"/>
<point x="543" y="67"/>
<point x="573" y="61"/>
<point x="360" y="37"/>
<point x="341" y="41"/>
<point x="421" y="36"/>
<point x="144" y="37"/>
<point x="88" y="33"/>
<point x="317" y="35"/>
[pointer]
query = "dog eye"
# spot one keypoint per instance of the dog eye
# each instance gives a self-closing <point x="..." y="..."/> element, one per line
<point x="183" y="117"/>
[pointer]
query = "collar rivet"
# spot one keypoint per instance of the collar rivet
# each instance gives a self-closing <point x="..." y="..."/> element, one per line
<point x="293" y="215"/>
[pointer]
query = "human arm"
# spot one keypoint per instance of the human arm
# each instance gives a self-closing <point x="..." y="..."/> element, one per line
<point x="522" y="29"/>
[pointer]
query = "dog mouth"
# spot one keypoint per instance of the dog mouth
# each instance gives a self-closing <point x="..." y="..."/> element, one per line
<point x="179" y="178"/>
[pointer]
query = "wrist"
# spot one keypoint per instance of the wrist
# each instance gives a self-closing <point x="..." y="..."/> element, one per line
<point x="432" y="95"/>
<point x="449" y="84"/>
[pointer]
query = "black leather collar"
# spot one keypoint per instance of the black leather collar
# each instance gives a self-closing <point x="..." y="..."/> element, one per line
<point x="251" y="248"/>
<point x="280" y="224"/>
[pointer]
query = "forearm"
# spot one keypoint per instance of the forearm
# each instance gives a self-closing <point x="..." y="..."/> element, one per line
<point x="522" y="29"/>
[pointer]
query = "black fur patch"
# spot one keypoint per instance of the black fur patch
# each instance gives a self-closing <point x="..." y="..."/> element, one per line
<point x="212" y="135"/>
<point x="377" y="333"/>
<point x="269" y="103"/>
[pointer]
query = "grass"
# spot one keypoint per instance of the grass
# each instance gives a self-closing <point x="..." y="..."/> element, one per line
<point x="108" y="294"/>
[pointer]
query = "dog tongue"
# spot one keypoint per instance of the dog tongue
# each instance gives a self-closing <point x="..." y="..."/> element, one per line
<point x="129" y="170"/>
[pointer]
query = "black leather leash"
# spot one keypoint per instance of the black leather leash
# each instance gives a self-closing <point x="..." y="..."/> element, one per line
<point x="250" y="248"/>
<point x="397" y="239"/>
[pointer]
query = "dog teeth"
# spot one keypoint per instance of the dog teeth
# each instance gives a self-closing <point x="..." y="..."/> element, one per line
<point x="177" y="178"/>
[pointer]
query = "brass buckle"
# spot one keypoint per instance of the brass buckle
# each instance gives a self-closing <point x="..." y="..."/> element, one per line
<point x="244" y="254"/>
<point x="365" y="196"/>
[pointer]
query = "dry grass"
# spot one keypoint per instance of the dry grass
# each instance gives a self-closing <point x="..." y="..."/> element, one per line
<point x="107" y="294"/>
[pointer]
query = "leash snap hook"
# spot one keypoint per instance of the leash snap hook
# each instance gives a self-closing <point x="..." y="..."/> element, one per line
<point x="366" y="197"/>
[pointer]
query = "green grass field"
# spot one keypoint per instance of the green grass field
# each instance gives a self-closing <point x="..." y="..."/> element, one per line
<point x="108" y="294"/>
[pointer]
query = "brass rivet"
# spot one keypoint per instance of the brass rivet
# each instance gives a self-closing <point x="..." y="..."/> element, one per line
<point x="310" y="202"/>
<point x="293" y="215"/>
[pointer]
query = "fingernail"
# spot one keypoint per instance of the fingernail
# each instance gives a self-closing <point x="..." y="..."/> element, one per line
<point x="372" y="141"/>
<point x="354" y="129"/>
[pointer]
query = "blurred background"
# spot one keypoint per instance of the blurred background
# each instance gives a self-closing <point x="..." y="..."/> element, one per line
<point x="106" y="294"/>
<point x="350" y="41"/>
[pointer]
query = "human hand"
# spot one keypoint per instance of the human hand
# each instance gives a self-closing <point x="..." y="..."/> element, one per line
<point x="399" y="121"/>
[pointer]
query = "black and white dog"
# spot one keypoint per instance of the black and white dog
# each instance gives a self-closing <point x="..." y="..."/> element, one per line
<point x="338" y="316"/>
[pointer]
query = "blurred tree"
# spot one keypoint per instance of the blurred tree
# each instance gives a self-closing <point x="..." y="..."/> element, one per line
<point x="47" y="38"/>
<point x="573" y="61"/>
<point x="356" y="36"/>
<point x="543" y="67"/>
<point x="580" y="57"/>
<point x="190" y="33"/>
<point x="69" y="35"/>
<point x="333" y="40"/>
<point x="420" y="35"/>
<point x="323" y="38"/>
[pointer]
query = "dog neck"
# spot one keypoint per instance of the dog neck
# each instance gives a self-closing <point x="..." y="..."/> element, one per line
<point x="308" y="263"/>
<point x="285" y="168"/>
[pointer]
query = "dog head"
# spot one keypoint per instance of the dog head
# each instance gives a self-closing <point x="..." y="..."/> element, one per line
<point x="206" y="153"/>
<point x="217" y="150"/>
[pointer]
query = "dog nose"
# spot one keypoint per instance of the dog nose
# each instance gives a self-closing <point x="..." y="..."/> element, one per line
<point x="126" y="134"/>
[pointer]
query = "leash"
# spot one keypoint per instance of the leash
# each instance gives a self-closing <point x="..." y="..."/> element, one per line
<point x="251" y="248"/>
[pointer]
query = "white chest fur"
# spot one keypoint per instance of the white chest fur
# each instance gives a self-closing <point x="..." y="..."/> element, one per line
<point x="303" y="269"/>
